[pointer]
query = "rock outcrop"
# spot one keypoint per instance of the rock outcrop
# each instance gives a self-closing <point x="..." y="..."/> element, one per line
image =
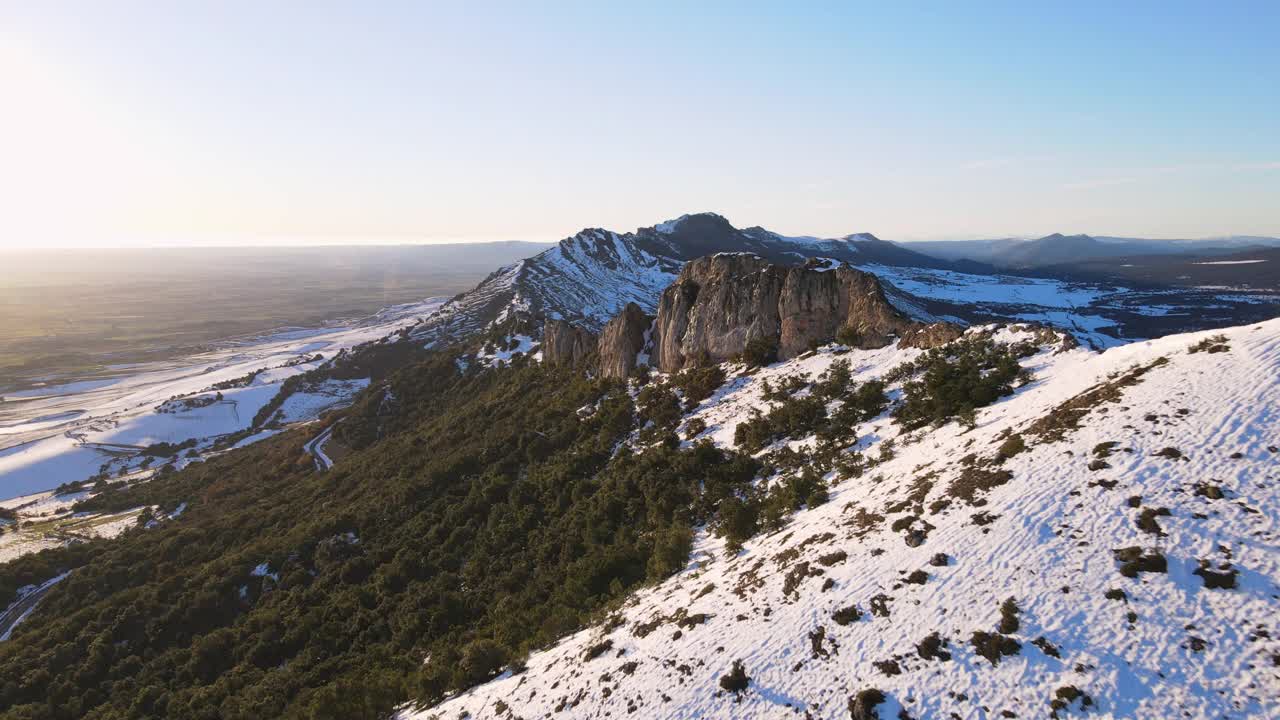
<point x="720" y="304"/>
<point x="717" y="305"/>
<point x="622" y="340"/>
<point x="566" y="344"/>
<point x="931" y="335"/>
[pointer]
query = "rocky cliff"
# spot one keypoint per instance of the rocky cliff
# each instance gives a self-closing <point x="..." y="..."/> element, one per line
<point x="564" y="343"/>
<point x="590" y="277"/>
<point x="717" y="305"/>
<point x="622" y="340"/>
<point x="721" y="304"/>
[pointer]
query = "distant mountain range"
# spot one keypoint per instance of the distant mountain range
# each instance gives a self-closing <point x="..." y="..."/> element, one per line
<point x="1058" y="249"/>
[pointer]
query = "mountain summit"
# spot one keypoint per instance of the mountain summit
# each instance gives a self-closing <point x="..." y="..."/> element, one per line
<point x="590" y="277"/>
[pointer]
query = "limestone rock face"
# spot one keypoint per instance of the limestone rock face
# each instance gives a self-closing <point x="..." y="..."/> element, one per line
<point x="622" y="340"/>
<point x="566" y="344"/>
<point x="716" y="306"/>
<point x="930" y="336"/>
<point x="719" y="304"/>
<point x="819" y="304"/>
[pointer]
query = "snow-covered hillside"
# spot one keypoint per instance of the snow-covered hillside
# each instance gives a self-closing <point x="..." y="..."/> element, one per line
<point x="1105" y="542"/>
<point x="61" y="434"/>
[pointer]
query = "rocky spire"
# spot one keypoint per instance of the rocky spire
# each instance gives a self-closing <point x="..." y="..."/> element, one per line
<point x="622" y="340"/>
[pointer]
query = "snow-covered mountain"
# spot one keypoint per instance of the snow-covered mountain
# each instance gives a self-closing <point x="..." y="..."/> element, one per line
<point x="1104" y="542"/>
<point x="590" y="277"/>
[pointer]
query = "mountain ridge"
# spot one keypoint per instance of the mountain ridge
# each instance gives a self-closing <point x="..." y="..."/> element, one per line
<point x="1058" y="248"/>
<point x="590" y="277"/>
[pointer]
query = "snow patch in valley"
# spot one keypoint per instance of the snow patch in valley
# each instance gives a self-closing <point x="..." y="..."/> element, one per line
<point x="66" y="432"/>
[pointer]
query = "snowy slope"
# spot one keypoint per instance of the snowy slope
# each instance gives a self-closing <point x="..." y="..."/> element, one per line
<point x="1160" y="644"/>
<point x="62" y="434"/>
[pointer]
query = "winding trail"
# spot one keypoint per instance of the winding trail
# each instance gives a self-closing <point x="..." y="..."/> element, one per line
<point x="13" y="616"/>
<point x="315" y="448"/>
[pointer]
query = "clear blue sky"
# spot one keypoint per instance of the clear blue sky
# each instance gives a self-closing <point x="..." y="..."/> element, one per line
<point x="183" y="121"/>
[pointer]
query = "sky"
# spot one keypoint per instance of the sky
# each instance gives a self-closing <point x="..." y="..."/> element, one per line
<point x="233" y="122"/>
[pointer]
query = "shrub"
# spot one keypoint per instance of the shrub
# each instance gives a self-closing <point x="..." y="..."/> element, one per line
<point x="481" y="660"/>
<point x="671" y="548"/>
<point x="1009" y="616"/>
<point x="698" y="383"/>
<point x="1047" y="647"/>
<point x="760" y="352"/>
<point x="794" y="417"/>
<point x="880" y="605"/>
<point x="974" y="478"/>
<point x="834" y="382"/>
<point x="694" y="428"/>
<point x="1212" y="344"/>
<point x="659" y="406"/>
<point x="846" y="615"/>
<point x="931" y="648"/>
<point x="955" y="380"/>
<point x="1224" y="579"/>
<point x="1134" y="560"/>
<point x="863" y="705"/>
<point x="1147" y="520"/>
<point x="1209" y="491"/>
<point x="994" y="646"/>
<point x="736" y="681"/>
<point x="862" y="403"/>
<point x="738" y="521"/>
<point x="848" y="336"/>
<point x="1012" y="445"/>
<point x="1064" y="696"/>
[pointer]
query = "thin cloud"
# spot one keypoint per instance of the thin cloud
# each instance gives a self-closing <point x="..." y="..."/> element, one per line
<point x="1099" y="183"/>
<point x="1005" y="161"/>
<point x="990" y="163"/>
